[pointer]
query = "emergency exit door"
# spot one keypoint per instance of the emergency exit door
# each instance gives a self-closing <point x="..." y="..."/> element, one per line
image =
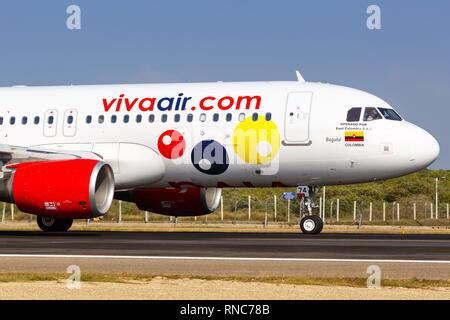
<point x="50" y="123"/>
<point x="70" y="123"/>
<point x="298" y="110"/>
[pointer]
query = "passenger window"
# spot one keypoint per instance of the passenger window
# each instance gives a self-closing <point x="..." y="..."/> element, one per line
<point x="70" y="119"/>
<point x="354" y="115"/>
<point x="12" y="120"/>
<point x="177" y="118"/>
<point x="1" y="121"/>
<point x="229" y="117"/>
<point x="24" y="120"/>
<point x="138" y="118"/>
<point x="190" y="117"/>
<point x="88" y="119"/>
<point x="101" y="119"/>
<point x="372" y="114"/>
<point x="51" y="119"/>
<point x="36" y="120"/>
<point x="216" y="117"/>
<point x="390" y="114"/>
<point x="255" y="117"/>
<point x="164" y="118"/>
<point x="151" y="118"/>
<point x="268" y="116"/>
<point x="202" y="117"/>
<point x="241" y="117"/>
<point x="126" y="118"/>
<point x="113" y="119"/>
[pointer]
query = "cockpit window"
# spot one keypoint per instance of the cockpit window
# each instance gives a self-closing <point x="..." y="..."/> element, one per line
<point x="372" y="114"/>
<point x="390" y="114"/>
<point x="354" y="115"/>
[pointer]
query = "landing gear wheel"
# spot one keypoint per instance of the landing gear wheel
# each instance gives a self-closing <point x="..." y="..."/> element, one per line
<point x="311" y="225"/>
<point x="54" y="225"/>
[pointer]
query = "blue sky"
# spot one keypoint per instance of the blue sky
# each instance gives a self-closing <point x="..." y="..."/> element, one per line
<point x="407" y="62"/>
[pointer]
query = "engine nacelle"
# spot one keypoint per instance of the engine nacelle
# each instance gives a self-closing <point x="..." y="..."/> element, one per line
<point x="75" y="189"/>
<point x="178" y="202"/>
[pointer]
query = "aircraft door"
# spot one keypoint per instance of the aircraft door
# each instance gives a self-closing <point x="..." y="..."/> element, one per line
<point x="298" y="110"/>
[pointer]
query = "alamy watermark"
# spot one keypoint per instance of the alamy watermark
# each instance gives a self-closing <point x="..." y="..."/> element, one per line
<point x="374" y="279"/>
<point x="374" y="19"/>
<point x="74" y="279"/>
<point x="73" y="21"/>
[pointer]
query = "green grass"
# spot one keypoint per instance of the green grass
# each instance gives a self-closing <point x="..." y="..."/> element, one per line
<point x="139" y="279"/>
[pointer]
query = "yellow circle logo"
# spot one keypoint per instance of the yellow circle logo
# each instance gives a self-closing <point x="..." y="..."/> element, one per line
<point x="256" y="142"/>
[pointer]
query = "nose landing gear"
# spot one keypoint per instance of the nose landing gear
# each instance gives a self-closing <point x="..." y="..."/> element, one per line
<point x="309" y="223"/>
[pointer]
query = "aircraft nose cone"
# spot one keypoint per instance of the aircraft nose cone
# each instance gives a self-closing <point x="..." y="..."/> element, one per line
<point x="425" y="149"/>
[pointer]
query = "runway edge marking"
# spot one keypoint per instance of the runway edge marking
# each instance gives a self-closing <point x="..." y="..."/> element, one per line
<point x="219" y="258"/>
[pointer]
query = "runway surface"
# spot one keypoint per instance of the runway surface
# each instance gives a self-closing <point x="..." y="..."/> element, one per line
<point x="251" y="245"/>
<point x="330" y="255"/>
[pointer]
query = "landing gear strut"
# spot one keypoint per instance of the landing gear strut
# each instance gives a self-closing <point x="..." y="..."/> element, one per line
<point x="309" y="223"/>
<point x="54" y="225"/>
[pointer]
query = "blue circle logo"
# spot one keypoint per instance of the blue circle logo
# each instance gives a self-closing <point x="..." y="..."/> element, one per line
<point x="210" y="157"/>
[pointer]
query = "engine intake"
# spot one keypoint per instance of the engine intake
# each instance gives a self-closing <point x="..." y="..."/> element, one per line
<point x="75" y="189"/>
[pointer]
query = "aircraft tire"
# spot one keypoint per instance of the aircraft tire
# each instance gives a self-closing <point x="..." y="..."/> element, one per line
<point x="311" y="225"/>
<point x="54" y="225"/>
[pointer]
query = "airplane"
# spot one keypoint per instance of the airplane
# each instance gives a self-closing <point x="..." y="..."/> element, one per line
<point x="68" y="151"/>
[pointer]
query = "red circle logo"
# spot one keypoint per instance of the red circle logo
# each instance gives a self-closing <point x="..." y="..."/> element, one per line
<point x="171" y="144"/>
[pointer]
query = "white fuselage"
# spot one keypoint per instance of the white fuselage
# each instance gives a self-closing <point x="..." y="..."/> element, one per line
<point x="272" y="133"/>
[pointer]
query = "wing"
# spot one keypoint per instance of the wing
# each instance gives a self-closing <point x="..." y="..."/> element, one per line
<point x="10" y="155"/>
